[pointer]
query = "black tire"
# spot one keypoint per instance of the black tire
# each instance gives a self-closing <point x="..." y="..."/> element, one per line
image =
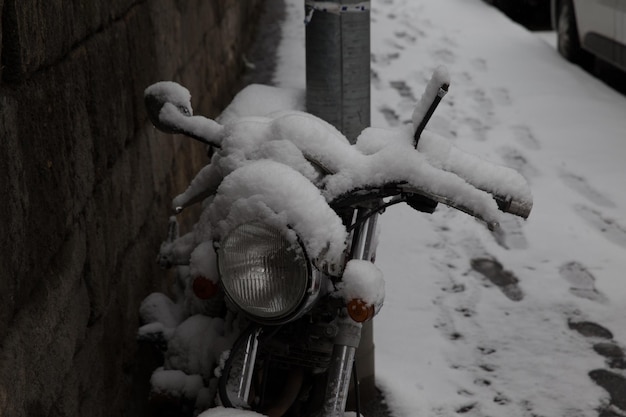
<point x="568" y="42"/>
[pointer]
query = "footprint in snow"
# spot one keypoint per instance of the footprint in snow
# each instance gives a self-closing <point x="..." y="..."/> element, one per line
<point x="404" y="90"/>
<point x="581" y="186"/>
<point x="479" y="64"/>
<point x="466" y="408"/>
<point x="477" y="127"/>
<point x="376" y="82"/>
<point x="501" y="96"/>
<point x="525" y="136"/>
<point x="444" y="55"/>
<point x="484" y="102"/>
<point x="582" y="282"/>
<point x="510" y="234"/>
<point x="614" y="383"/>
<point x="395" y="45"/>
<point x="609" y="228"/>
<point x="613" y="353"/>
<point x="590" y="329"/>
<point x="465" y="77"/>
<point x="390" y="115"/>
<point x="384" y="59"/>
<point x="609" y="349"/>
<point x="449" y="41"/>
<point x="513" y="158"/>
<point x="405" y="36"/>
<point x="497" y="275"/>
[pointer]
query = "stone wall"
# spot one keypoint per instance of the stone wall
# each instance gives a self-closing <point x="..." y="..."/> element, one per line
<point x="86" y="184"/>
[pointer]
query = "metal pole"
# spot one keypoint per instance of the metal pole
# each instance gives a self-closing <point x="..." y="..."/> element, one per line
<point x="338" y="64"/>
<point x="338" y="91"/>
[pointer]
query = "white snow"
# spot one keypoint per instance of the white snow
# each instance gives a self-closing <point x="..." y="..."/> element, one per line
<point x="262" y="100"/>
<point x="197" y="126"/>
<point x="203" y="262"/>
<point x="171" y="92"/>
<point x="362" y="280"/>
<point x="474" y="322"/>
<point x="228" y="412"/>
<point x="439" y="79"/>
<point x="448" y="340"/>
<point x="158" y="307"/>
<point x="196" y="345"/>
<point x="174" y="381"/>
<point x="282" y="197"/>
<point x="270" y="168"/>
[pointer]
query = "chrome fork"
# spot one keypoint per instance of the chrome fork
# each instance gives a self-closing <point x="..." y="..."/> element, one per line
<point x="247" y="369"/>
<point x="349" y="332"/>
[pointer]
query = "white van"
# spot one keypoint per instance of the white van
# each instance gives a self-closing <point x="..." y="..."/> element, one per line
<point x="591" y="28"/>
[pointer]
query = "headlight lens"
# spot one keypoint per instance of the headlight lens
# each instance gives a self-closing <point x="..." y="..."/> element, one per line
<point x="262" y="272"/>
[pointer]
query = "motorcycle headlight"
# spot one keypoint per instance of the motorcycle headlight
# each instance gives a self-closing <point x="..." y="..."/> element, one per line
<point x="263" y="273"/>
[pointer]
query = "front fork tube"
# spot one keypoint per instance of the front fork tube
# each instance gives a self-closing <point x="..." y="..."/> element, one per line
<point x="340" y="369"/>
<point x="346" y="342"/>
<point x="349" y="332"/>
<point x="247" y="368"/>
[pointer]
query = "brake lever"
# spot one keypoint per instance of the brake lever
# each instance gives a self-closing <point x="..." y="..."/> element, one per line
<point x="435" y="91"/>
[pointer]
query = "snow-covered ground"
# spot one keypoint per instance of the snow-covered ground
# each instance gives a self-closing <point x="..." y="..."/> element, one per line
<point x="530" y="321"/>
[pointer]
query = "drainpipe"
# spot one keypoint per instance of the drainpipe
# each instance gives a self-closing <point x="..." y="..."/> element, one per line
<point x="338" y="91"/>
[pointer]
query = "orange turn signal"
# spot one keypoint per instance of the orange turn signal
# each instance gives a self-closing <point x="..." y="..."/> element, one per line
<point x="359" y="311"/>
<point x="204" y="288"/>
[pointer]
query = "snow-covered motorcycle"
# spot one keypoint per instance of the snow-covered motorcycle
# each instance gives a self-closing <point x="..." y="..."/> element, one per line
<point x="277" y="274"/>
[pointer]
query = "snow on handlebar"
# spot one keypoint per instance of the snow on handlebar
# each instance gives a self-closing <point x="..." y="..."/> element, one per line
<point x="254" y="128"/>
<point x="169" y="108"/>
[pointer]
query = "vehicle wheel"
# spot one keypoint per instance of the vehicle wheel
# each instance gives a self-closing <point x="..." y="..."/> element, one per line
<point x="567" y="35"/>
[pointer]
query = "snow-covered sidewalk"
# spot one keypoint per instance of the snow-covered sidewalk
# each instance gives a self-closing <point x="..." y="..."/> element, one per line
<point x="530" y="321"/>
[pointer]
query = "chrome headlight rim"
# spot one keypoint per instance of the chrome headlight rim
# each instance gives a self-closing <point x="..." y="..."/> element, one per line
<point x="311" y="283"/>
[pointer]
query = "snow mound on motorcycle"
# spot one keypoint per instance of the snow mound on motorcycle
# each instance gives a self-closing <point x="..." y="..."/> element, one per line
<point x="362" y="280"/>
<point x="228" y="412"/>
<point x="260" y="123"/>
<point x="284" y="199"/>
<point x="234" y="412"/>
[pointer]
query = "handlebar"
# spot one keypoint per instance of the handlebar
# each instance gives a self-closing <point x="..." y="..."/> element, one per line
<point x="382" y="162"/>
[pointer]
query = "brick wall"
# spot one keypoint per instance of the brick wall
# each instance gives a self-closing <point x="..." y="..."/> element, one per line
<point x="86" y="183"/>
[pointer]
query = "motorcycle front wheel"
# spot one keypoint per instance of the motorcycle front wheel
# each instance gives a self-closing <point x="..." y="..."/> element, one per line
<point x="277" y="388"/>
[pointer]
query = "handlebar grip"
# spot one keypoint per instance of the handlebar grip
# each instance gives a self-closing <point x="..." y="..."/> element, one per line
<point x="517" y="208"/>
